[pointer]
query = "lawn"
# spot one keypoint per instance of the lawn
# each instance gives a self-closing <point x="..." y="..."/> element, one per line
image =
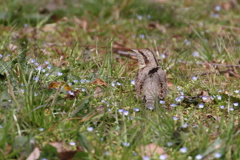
<point x="67" y="79"/>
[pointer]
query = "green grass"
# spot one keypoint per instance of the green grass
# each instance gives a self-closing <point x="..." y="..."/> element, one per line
<point x="72" y="44"/>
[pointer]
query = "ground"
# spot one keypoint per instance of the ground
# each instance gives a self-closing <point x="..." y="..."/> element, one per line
<point x="67" y="79"/>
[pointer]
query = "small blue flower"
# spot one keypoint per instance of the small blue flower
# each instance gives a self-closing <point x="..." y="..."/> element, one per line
<point x="169" y="144"/>
<point x="183" y="150"/>
<point x="107" y="153"/>
<point x="195" y="54"/>
<point x="49" y="67"/>
<point x="178" y="99"/>
<point x="201" y="105"/>
<point x="217" y="8"/>
<point x="113" y="84"/>
<point x="46" y="62"/>
<point x="36" y="79"/>
<point x="41" y="129"/>
<point x="83" y="90"/>
<point x="162" y="102"/>
<point x="75" y="81"/>
<point x="118" y="83"/>
<point x="231" y="109"/>
<point x="59" y="73"/>
<point x="142" y="36"/>
<point x="235" y="104"/>
<point x="133" y="82"/>
<point x="185" y="125"/>
<point x="194" y="78"/>
<point x="146" y="158"/>
<point x="173" y="105"/>
<point x="139" y="17"/>
<point x="199" y="157"/>
<point x="39" y="68"/>
<point x="125" y="112"/>
<point x="150" y="107"/>
<point x="126" y="144"/>
<point x="90" y="129"/>
<point x="236" y="91"/>
<point x="217" y="155"/>
<point x="175" y="118"/>
<point x="1" y="55"/>
<point x="221" y="107"/>
<point x="163" y="157"/>
<point x="187" y="42"/>
<point x="204" y="98"/>
<point x="72" y="143"/>
<point x="71" y="93"/>
<point x="120" y="110"/>
<point x="136" y="109"/>
<point x="163" y="56"/>
<point x="219" y="97"/>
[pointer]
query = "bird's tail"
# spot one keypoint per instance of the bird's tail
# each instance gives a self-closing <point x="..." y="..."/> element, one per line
<point x="149" y="103"/>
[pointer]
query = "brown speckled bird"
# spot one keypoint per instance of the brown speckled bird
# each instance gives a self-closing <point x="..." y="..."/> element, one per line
<point x="150" y="81"/>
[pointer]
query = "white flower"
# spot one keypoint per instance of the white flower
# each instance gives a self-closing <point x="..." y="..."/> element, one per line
<point x="83" y="90"/>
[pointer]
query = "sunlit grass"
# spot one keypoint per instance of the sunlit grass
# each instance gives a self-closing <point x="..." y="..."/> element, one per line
<point x="62" y="80"/>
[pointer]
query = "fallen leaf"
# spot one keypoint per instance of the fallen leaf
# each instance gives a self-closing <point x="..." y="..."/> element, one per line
<point x="98" y="92"/>
<point x="58" y="85"/>
<point x="100" y="82"/>
<point x="205" y="97"/>
<point x="152" y="149"/>
<point x="64" y="153"/>
<point x="35" y="154"/>
<point x="12" y="47"/>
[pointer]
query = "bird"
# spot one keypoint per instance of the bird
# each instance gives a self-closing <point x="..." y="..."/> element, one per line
<point x="150" y="80"/>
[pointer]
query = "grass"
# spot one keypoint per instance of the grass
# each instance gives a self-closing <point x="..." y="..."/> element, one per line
<point x="55" y="57"/>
